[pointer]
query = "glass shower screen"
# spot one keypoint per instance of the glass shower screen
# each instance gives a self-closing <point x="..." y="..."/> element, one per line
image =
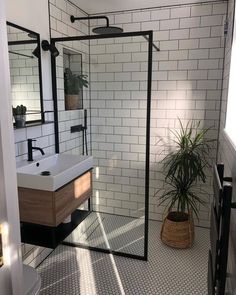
<point x="118" y="106"/>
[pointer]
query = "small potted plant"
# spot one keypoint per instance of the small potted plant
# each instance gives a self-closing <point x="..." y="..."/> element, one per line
<point x="184" y="167"/>
<point x="73" y="84"/>
<point x="19" y="114"/>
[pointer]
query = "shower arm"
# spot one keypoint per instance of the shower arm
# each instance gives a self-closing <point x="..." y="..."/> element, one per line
<point x="73" y="19"/>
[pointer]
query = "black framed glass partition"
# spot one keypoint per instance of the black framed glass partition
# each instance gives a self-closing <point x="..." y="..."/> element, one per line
<point x="117" y="101"/>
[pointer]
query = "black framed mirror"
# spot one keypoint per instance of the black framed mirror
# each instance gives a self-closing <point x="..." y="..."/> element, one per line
<point x="26" y="76"/>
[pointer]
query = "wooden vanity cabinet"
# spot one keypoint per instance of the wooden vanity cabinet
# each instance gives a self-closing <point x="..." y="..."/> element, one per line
<point x="52" y="208"/>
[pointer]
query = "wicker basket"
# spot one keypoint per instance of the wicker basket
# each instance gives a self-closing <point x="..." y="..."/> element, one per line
<point x="178" y="234"/>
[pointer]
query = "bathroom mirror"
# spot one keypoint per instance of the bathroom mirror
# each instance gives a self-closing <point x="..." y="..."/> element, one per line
<point x="26" y="78"/>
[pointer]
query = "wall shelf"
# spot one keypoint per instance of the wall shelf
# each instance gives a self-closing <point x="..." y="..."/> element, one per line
<point x="33" y="124"/>
<point x="36" y="122"/>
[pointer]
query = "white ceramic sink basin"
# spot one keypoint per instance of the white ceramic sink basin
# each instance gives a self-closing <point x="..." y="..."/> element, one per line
<point x="63" y="168"/>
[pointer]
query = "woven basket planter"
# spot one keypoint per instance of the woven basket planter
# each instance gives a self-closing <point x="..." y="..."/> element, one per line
<point x="73" y="102"/>
<point x="178" y="234"/>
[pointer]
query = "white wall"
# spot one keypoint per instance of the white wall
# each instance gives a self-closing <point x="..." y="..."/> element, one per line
<point x="11" y="272"/>
<point x="30" y="14"/>
<point x="227" y="155"/>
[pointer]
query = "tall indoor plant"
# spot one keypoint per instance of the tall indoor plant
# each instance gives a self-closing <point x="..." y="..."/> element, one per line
<point x="184" y="167"/>
<point x="73" y="84"/>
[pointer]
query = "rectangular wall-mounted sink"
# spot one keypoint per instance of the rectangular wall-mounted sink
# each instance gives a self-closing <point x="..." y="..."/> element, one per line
<point x="52" y="172"/>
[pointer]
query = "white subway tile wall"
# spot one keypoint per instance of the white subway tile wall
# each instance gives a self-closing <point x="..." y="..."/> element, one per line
<point x="187" y="76"/>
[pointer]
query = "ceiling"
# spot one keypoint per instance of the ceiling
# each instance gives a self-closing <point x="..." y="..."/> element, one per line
<point x="102" y="6"/>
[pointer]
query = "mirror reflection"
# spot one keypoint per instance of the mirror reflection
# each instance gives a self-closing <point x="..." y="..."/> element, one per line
<point x="25" y="72"/>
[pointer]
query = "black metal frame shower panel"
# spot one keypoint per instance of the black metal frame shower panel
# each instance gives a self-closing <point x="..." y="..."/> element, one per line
<point x="148" y="34"/>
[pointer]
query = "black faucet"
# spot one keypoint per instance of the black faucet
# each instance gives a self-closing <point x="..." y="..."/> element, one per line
<point x="31" y="148"/>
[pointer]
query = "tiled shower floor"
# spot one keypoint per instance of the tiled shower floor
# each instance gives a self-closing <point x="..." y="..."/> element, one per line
<point x="74" y="271"/>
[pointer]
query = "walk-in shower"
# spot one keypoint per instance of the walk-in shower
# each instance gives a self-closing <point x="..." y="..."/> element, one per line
<point x="119" y="67"/>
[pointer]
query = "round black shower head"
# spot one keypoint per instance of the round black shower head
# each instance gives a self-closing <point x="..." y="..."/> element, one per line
<point x="107" y="30"/>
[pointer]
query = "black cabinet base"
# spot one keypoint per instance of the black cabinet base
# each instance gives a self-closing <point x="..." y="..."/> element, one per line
<point x="50" y="237"/>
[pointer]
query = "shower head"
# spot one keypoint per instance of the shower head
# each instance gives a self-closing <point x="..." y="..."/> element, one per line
<point x="107" y="30"/>
<point x="99" y="30"/>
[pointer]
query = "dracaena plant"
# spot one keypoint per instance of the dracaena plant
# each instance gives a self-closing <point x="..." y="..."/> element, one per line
<point x="73" y="83"/>
<point x="184" y="167"/>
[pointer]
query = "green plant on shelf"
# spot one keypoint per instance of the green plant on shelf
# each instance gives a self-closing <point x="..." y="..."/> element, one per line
<point x="19" y="110"/>
<point x="19" y="114"/>
<point x="73" y="82"/>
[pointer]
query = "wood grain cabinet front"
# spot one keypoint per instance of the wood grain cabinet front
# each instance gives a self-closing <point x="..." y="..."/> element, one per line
<point x="51" y="208"/>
